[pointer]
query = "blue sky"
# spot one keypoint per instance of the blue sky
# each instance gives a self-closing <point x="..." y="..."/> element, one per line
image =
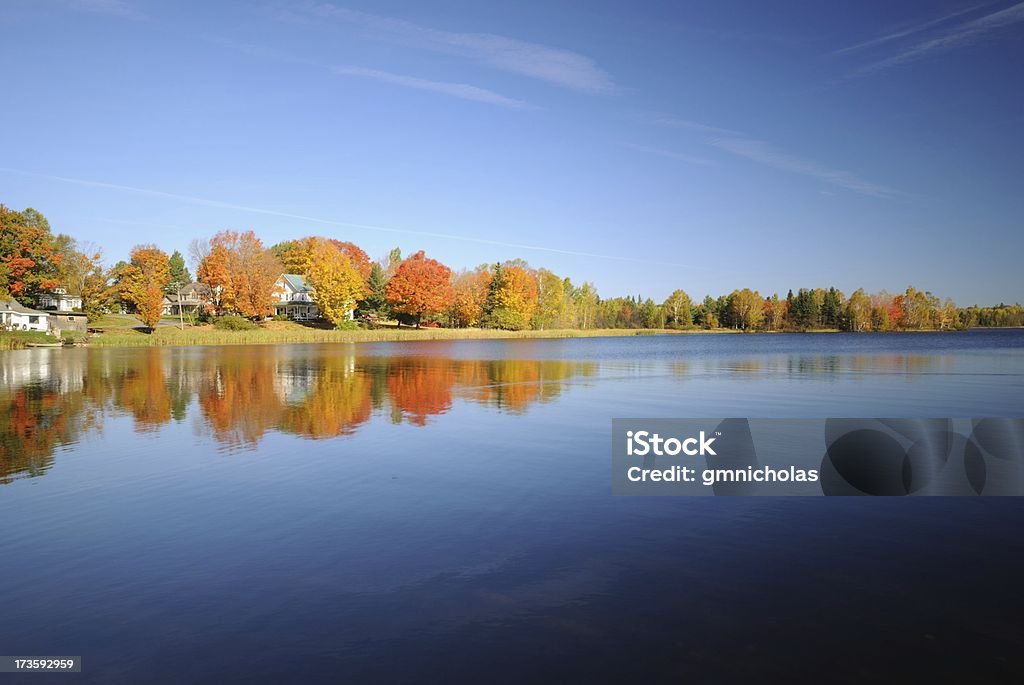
<point x="646" y="146"/>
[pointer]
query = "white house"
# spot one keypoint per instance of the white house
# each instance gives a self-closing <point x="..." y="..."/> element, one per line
<point x="14" y="316"/>
<point x="59" y="299"/>
<point x="295" y="298"/>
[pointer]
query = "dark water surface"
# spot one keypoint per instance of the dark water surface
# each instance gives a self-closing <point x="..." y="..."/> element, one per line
<point x="441" y="511"/>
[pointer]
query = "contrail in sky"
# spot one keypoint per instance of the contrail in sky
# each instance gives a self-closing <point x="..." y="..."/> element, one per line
<point x="189" y="199"/>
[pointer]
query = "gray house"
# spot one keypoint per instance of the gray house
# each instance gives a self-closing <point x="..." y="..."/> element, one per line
<point x="194" y="298"/>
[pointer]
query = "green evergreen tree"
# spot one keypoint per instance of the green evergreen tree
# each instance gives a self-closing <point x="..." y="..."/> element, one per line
<point x="831" y="309"/>
<point x="376" y="303"/>
<point x="180" y="275"/>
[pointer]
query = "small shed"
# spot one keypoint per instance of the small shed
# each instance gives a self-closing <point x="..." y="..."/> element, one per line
<point x="68" y="321"/>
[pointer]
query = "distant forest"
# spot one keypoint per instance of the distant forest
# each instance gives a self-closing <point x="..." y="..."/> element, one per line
<point x="240" y="272"/>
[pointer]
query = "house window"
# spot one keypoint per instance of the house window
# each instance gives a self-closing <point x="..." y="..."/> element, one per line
<point x="33" y="319"/>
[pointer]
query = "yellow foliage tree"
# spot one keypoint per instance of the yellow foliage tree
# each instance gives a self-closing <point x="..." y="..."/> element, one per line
<point x="145" y="279"/>
<point x="337" y="283"/>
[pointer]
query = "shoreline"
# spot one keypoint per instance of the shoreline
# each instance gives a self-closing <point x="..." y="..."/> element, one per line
<point x="294" y="334"/>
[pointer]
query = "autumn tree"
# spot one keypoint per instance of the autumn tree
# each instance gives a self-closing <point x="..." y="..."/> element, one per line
<point x="857" y="312"/>
<point x="774" y="312"/>
<point x="678" y="310"/>
<point x="334" y="279"/>
<point x="92" y="283"/>
<point x="82" y="274"/>
<point x="29" y="256"/>
<point x="241" y="273"/>
<point x="420" y="287"/>
<point x="360" y="261"/>
<point x="144" y="281"/>
<point x="471" y="289"/>
<point x="746" y="309"/>
<point x="554" y="304"/>
<point x="295" y="255"/>
<point x="511" y="298"/>
<point x="214" y="272"/>
<point x="585" y="301"/>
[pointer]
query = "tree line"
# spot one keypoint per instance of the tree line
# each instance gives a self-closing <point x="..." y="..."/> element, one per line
<point x="240" y="272"/>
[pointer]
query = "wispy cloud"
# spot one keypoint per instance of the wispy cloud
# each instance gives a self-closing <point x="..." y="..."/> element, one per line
<point x="907" y="30"/>
<point x="743" y="145"/>
<point x="117" y="8"/>
<point x="962" y="34"/>
<point x="676" y="122"/>
<point x="463" y="91"/>
<point x="666" y="153"/>
<point x="457" y="90"/>
<point x="765" y="153"/>
<point x="205" y="202"/>
<point x="554" y="65"/>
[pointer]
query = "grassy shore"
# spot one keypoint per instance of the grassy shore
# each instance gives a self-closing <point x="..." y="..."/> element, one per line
<point x="282" y="332"/>
<point x="13" y="340"/>
<point x="122" y="330"/>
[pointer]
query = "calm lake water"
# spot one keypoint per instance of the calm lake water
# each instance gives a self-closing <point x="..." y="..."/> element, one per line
<point x="441" y="511"/>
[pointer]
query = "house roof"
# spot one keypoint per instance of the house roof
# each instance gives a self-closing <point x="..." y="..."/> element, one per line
<point x="200" y="289"/>
<point x="195" y="287"/>
<point x="19" y="308"/>
<point x="297" y="282"/>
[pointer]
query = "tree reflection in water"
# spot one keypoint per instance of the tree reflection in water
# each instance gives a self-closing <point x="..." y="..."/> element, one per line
<point x="238" y="395"/>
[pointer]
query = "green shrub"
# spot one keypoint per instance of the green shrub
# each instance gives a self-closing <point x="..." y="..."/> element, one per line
<point x="233" y="322"/>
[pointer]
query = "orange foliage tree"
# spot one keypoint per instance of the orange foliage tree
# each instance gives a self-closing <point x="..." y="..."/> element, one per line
<point x="29" y="256"/>
<point x="360" y="260"/>
<point x="470" y="296"/>
<point x="241" y="273"/>
<point x="421" y="286"/>
<point x="144" y="281"/>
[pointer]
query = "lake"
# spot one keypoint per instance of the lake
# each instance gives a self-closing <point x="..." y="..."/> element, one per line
<point x="442" y="511"/>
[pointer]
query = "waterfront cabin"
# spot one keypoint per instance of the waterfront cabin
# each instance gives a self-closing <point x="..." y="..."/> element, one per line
<point x="15" y="316"/>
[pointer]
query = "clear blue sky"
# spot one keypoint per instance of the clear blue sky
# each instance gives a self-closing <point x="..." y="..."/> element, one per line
<point x="706" y="145"/>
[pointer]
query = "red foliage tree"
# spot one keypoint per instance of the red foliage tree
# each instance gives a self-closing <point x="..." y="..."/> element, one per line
<point x="420" y="286"/>
<point x="360" y="260"/>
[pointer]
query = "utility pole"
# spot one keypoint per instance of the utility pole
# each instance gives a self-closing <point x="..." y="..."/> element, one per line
<point x="181" y="316"/>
